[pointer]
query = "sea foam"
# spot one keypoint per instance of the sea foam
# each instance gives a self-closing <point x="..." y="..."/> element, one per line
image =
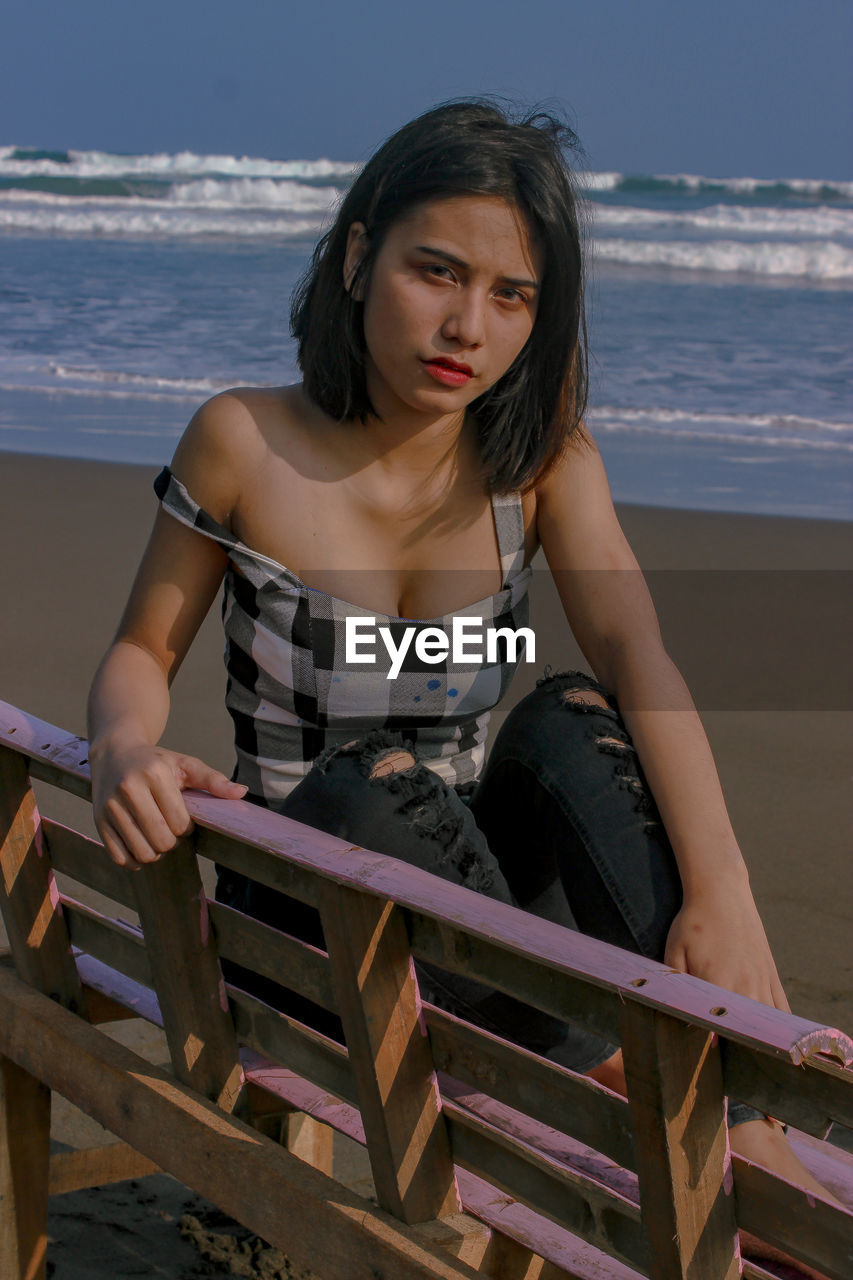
<point x="817" y="261"/>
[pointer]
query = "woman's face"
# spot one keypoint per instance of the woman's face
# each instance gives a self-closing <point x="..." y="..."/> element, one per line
<point x="450" y="302"/>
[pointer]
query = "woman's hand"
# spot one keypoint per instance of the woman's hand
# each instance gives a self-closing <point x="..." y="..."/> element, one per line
<point x="718" y="935"/>
<point x="136" y="797"/>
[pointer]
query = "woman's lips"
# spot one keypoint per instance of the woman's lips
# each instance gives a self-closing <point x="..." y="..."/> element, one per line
<point x="449" y="372"/>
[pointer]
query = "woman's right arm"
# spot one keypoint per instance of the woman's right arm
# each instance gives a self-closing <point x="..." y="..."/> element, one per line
<point x="137" y="786"/>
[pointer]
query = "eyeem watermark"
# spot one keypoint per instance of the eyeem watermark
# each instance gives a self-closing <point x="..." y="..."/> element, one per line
<point x="432" y="644"/>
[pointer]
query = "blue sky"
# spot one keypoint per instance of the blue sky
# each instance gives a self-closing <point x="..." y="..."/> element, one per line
<point x="732" y="87"/>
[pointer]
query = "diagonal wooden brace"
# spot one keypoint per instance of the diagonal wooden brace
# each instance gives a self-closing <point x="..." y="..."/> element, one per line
<point x="675" y="1095"/>
<point x="389" y="1053"/>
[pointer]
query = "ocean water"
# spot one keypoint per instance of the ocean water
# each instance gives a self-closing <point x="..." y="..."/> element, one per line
<point x="133" y="287"/>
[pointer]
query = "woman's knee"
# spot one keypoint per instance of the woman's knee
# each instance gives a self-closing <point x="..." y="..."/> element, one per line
<point x="375" y="754"/>
<point x="565" y="718"/>
<point x="575" y="691"/>
<point x="567" y="751"/>
<point x="347" y="783"/>
<point x="376" y="792"/>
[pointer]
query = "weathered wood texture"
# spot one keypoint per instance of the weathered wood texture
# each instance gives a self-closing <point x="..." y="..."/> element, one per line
<point x="309" y="1139"/>
<point x="85" y="861"/>
<point x="274" y="955"/>
<point x="811" y="1230"/>
<point x="675" y="1095"/>
<point x="605" y="1218"/>
<point x="173" y="910"/>
<point x="444" y="1106"/>
<point x="456" y="927"/>
<point x="215" y="1154"/>
<point x="389" y="1054"/>
<point x="116" y="943"/>
<point x="566" y="1253"/>
<point x="97" y="1166"/>
<point x="24" y="1155"/>
<point x="542" y="1090"/>
<point x="29" y="898"/>
<point x="808" y="1094"/>
<point x="500" y="1210"/>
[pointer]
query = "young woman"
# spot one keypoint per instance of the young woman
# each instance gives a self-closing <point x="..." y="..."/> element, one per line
<point x="435" y="443"/>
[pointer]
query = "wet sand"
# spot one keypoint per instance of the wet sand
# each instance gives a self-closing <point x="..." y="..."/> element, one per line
<point x="755" y="609"/>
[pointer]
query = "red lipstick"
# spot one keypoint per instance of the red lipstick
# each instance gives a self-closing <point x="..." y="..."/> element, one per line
<point x="452" y="373"/>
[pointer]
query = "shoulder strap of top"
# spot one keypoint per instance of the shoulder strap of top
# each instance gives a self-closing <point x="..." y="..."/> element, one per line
<point x="175" y="499"/>
<point x="509" y="527"/>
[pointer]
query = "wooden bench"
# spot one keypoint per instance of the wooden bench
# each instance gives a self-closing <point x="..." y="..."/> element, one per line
<point x="486" y="1159"/>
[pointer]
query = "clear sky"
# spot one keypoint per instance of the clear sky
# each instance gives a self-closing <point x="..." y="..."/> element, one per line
<point x="757" y="88"/>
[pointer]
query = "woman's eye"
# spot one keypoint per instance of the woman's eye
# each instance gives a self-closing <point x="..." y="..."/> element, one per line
<point x="439" y="269"/>
<point x="514" y="296"/>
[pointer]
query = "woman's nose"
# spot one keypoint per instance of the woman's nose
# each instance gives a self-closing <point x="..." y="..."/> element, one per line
<point x="465" y="320"/>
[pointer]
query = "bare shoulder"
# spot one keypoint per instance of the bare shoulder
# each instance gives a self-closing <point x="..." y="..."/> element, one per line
<point x="229" y="440"/>
<point x="576" y="521"/>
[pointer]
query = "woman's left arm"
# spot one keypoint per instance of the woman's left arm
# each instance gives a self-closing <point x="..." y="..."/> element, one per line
<point x="718" y="934"/>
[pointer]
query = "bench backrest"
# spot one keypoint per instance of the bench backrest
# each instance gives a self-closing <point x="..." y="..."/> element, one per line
<point x="452" y="1117"/>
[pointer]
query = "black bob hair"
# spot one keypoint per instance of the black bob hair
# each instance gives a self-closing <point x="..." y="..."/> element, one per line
<point x="470" y="147"/>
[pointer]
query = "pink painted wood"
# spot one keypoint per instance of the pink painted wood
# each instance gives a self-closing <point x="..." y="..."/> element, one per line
<point x="830" y="1165"/>
<point x="630" y="977"/>
<point x="479" y="1198"/>
<point x="833" y="1167"/>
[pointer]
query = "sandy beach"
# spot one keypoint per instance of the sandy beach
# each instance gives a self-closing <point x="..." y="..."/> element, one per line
<point x="755" y="609"/>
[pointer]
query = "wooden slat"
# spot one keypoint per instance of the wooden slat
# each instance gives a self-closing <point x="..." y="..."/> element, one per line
<point x="807" y="1095"/>
<point x="112" y="995"/>
<point x="96" y="1167"/>
<point x="308" y="1139"/>
<point x="87" y="862"/>
<point x="487" y="940"/>
<point x="56" y="775"/>
<point x="29" y="900"/>
<point x="102" y="1008"/>
<point x="487" y="1251"/>
<point x="566" y="1252"/>
<point x="606" y="1219"/>
<point x="308" y="1053"/>
<point x="321" y="1225"/>
<point x="458" y="928"/>
<point x="264" y="950"/>
<point x="44" y="744"/>
<point x="274" y="872"/>
<point x="116" y="943"/>
<point x="675" y="1095"/>
<point x="549" y="1142"/>
<point x="116" y="989"/>
<point x="300" y="1093"/>
<point x="754" y="1271"/>
<point x="24" y="1155"/>
<point x="812" y="1230"/>
<point x="465" y="917"/>
<point x="283" y="1039"/>
<point x="831" y="1165"/>
<point x="474" y="930"/>
<point x="389" y="1054"/>
<point x="570" y="997"/>
<point x="548" y="1093"/>
<point x="190" y="988"/>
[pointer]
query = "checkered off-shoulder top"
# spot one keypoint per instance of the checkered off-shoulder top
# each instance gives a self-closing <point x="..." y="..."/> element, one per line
<point x="291" y="692"/>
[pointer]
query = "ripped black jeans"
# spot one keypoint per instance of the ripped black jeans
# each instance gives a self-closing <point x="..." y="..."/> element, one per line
<point x="561" y="824"/>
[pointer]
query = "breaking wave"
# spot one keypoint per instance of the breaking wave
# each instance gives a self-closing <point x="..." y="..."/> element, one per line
<point x="797" y="228"/>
